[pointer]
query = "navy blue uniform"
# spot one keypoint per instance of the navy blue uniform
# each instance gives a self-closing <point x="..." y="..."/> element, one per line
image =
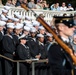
<point x="60" y="61"/>
<point x="43" y="66"/>
<point x="1" y="52"/>
<point x="33" y="45"/>
<point x="9" y="49"/>
<point x="23" y="53"/>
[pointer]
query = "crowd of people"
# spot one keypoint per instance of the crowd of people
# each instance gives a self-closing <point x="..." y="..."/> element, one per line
<point x="30" y="40"/>
<point x="23" y="41"/>
<point x="41" y="4"/>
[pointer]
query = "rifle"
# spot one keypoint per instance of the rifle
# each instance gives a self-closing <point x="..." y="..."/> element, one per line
<point x="49" y="29"/>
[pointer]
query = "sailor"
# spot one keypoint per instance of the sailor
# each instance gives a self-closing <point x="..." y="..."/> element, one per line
<point x="16" y="15"/>
<point x="15" y="20"/>
<point x="33" y="45"/>
<point x="2" y="24"/>
<point x="8" y="48"/>
<point x="49" y="42"/>
<point x="36" y="24"/>
<point x="26" y="31"/>
<point x="43" y="54"/>
<point x="16" y="34"/>
<point x="43" y="31"/>
<point x="23" y="53"/>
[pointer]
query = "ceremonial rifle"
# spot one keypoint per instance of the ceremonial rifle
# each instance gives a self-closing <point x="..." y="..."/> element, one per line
<point x="50" y="30"/>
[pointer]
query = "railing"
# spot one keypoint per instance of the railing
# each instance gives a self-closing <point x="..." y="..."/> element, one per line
<point x="48" y="13"/>
<point x="27" y="60"/>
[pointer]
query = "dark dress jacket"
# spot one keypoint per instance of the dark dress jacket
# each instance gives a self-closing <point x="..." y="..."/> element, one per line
<point x="42" y="51"/>
<point x="60" y="61"/>
<point x="8" y="46"/>
<point x="16" y="40"/>
<point x="1" y="37"/>
<point x="33" y="45"/>
<point x="23" y="52"/>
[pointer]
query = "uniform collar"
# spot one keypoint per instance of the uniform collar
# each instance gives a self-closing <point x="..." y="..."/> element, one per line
<point x="40" y="43"/>
<point x="64" y="39"/>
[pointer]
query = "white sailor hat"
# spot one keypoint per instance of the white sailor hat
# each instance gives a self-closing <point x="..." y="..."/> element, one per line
<point x="27" y="18"/>
<point x="26" y="28"/>
<point x="2" y="16"/>
<point x="23" y="37"/>
<point x="20" y="25"/>
<point x="36" y="23"/>
<point x="29" y="25"/>
<point x="49" y="35"/>
<point x="10" y="25"/>
<point x="27" y="22"/>
<point x="4" y="19"/>
<point x="18" y="16"/>
<point x="2" y="23"/>
<point x="40" y="35"/>
<point x="9" y="17"/>
<point x="41" y="27"/>
<point x="15" y="19"/>
<point x="5" y="11"/>
<point x="33" y="29"/>
<point x="6" y="7"/>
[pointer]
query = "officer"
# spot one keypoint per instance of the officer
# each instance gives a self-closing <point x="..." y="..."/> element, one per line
<point x="60" y="61"/>
<point x="23" y="53"/>
<point x="8" y="48"/>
